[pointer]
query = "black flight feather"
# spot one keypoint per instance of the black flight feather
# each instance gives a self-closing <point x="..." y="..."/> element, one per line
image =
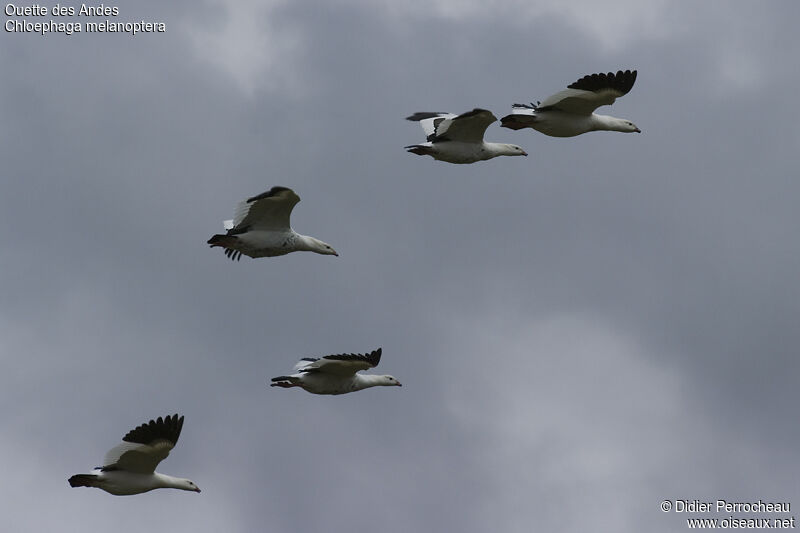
<point x="474" y="112"/>
<point x="270" y="193"/>
<point x="621" y="82"/>
<point x="168" y="428"/>
<point x="372" y="358"/>
<point x="422" y="115"/>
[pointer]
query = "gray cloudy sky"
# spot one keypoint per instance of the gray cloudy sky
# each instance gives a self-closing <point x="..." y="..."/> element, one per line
<point x="581" y="333"/>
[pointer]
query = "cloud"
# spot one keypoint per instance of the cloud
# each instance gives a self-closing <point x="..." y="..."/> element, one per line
<point x="613" y="27"/>
<point x="580" y="335"/>
<point x="569" y="420"/>
<point x="250" y="41"/>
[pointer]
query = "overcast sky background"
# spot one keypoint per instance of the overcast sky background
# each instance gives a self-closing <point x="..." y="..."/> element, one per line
<point x="582" y="333"/>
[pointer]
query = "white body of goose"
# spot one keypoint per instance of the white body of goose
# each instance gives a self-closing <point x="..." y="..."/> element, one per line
<point x="336" y="374"/>
<point x="260" y="228"/>
<point x="459" y="138"/>
<point x="129" y="468"/>
<point x="571" y="111"/>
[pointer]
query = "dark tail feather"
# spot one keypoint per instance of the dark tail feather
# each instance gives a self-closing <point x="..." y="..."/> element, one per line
<point x="228" y="242"/>
<point x="511" y="122"/>
<point x="285" y="382"/>
<point x="419" y="149"/>
<point x="221" y="240"/>
<point x="82" y="480"/>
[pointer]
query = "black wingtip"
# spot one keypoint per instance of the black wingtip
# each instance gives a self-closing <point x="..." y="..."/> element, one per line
<point x="268" y="194"/>
<point x="622" y="81"/>
<point x="168" y="427"/>
<point x="375" y="357"/>
<point x="422" y="115"/>
<point x="474" y="112"/>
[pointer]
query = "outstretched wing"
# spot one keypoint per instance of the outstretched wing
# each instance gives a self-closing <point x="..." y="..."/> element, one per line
<point x="144" y="447"/>
<point x="466" y="127"/>
<point x="589" y="93"/>
<point x="341" y="365"/>
<point x="270" y="210"/>
<point x="430" y="121"/>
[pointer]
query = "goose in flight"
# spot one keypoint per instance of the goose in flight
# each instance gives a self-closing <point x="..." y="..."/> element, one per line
<point x="336" y="374"/>
<point x="459" y="138"/>
<point x="260" y="228"/>
<point x="571" y="112"/>
<point x="129" y="467"/>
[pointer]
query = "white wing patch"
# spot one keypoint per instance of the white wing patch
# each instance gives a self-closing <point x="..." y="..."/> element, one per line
<point x="590" y="92"/>
<point x="139" y="458"/>
<point x="467" y="127"/>
<point x="341" y="364"/>
<point x="269" y="211"/>
<point x="578" y="101"/>
<point x="430" y="125"/>
<point x="116" y="452"/>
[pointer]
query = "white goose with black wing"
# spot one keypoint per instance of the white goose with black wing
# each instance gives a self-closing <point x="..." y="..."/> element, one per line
<point x="571" y="112"/>
<point x="260" y="228"/>
<point x="459" y="138"/>
<point x="129" y="468"/>
<point x="336" y="374"/>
